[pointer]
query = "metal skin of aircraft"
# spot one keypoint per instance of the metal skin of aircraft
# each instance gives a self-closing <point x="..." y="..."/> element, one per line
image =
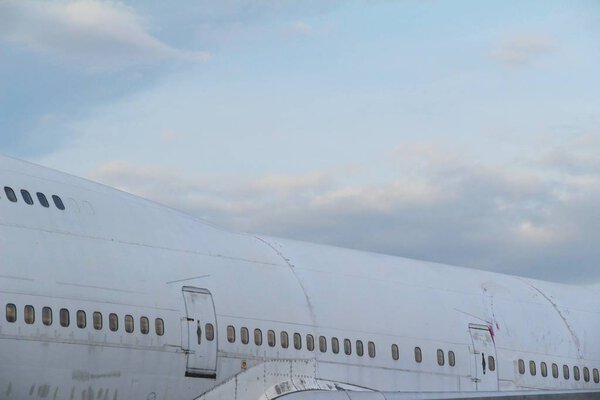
<point x="109" y="296"/>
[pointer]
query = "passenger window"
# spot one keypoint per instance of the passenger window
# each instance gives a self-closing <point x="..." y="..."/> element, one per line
<point x="231" y="334"/>
<point x="322" y="344"/>
<point x="451" y="358"/>
<point x="297" y="341"/>
<point x="129" y="323"/>
<point x="586" y="374"/>
<point x="335" y="345"/>
<point x="371" y="346"/>
<point x="596" y="375"/>
<point x="285" y="341"/>
<point x="521" y="367"/>
<point x="440" y="357"/>
<point x="395" y="352"/>
<point x="257" y="337"/>
<point x="491" y="363"/>
<point x="81" y="319"/>
<point x="359" y="348"/>
<point x="347" y="347"/>
<point x="532" y="368"/>
<point x="10" y="194"/>
<point x="113" y="322"/>
<point x="26" y="197"/>
<point x="245" y="336"/>
<point x="576" y="375"/>
<point x="29" y="315"/>
<point x="58" y="202"/>
<point x="145" y="326"/>
<point x="159" y="326"/>
<point x="97" y="320"/>
<point x="43" y="200"/>
<point x="210" y="332"/>
<point x="11" y="313"/>
<point x="544" y="369"/>
<point x="65" y="319"/>
<point x="555" y="370"/>
<point x="271" y="338"/>
<point x="310" y="342"/>
<point x="418" y="355"/>
<point x="566" y="371"/>
<point x="47" y="316"/>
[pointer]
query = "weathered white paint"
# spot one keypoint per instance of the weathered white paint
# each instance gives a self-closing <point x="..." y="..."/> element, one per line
<point x="112" y="252"/>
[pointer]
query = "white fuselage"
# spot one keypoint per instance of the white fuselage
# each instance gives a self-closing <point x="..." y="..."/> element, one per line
<point x="132" y="265"/>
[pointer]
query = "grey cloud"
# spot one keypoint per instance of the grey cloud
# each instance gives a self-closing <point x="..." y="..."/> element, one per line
<point x="477" y="216"/>
<point x="522" y="49"/>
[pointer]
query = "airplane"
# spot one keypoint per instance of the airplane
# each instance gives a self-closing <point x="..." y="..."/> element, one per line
<point x="109" y="296"/>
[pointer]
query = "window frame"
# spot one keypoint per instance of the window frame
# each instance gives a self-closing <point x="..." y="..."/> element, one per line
<point x="10" y="194"/>
<point x="58" y="202"/>
<point x="441" y="359"/>
<point x="231" y="333"/>
<point x="322" y="344"/>
<point x="144" y="325"/>
<point x="258" y="338"/>
<point x="47" y="316"/>
<point x="418" y="355"/>
<point x="64" y="317"/>
<point x="29" y="314"/>
<point x="244" y="335"/>
<point x="81" y="323"/>
<point x="11" y="309"/>
<point x="129" y="323"/>
<point x="284" y="339"/>
<point x="395" y="352"/>
<point x="335" y="345"/>
<point x="310" y="342"/>
<point x="97" y="320"/>
<point x="113" y="322"/>
<point x="26" y="196"/>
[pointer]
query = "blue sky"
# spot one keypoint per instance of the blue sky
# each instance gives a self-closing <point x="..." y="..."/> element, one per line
<point x="460" y="132"/>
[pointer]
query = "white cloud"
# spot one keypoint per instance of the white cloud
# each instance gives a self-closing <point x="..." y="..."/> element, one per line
<point x="522" y="49"/>
<point x="99" y="35"/>
<point x="301" y="28"/>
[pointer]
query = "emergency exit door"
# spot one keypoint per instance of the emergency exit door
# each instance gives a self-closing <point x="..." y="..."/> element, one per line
<point x="484" y="372"/>
<point x="199" y="333"/>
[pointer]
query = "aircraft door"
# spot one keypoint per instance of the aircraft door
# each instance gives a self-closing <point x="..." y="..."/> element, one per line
<point x="484" y="363"/>
<point x="199" y="333"/>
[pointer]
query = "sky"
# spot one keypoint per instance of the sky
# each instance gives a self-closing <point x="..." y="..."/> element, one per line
<point x="460" y="132"/>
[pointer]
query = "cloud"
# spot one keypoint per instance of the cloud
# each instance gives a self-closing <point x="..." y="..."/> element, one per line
<point x="99" y="35"/>
<point x="301" y="28"/>
<point x="523" y="49"/>
<point x="489" y="217"/>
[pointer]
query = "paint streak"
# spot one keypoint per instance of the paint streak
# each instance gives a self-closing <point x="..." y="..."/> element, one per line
<point x="560" y="314"/>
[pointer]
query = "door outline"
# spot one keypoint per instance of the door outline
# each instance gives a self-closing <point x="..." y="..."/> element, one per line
<point x="201" y="354"/>
<point x="482" y="346"/>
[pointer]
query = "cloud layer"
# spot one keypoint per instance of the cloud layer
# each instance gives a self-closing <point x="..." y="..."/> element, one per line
<point x="518" y="221"/>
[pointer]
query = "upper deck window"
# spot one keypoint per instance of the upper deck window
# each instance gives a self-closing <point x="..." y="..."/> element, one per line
<point x="322" y="344"/>
<point x="10" y="194"/>
<point x="26" y="197"/>
<point x="395" y="352"/>
<point x="310" y="342"/>
<point x="113" y="322"/>
<point x="47" y="316"/>
<point x="257" y="337"/>
<point x="451" y="358"/>
<point x="58" y="202"/>
<point x="245" y="336"/>
<point x="271" y="338"/>
<point x="285" y="340"/>
<point x="43" y="200"/>
<point x="418" y="355"/>
<point x="129" y="325"/>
